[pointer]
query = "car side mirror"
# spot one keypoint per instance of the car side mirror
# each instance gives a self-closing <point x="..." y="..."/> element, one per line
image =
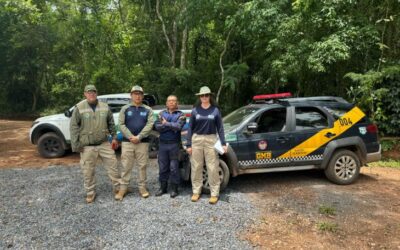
<point x="68" y="113"/>
<point x="252" y="127"/>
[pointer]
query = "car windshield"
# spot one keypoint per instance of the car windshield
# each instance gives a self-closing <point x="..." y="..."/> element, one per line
<point x="232" y="120"/>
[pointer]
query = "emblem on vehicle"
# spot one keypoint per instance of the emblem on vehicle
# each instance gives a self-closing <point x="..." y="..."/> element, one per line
<point x="262" y="145"/>
<point x="263" y="155"/>
<point x="363" y="130"/>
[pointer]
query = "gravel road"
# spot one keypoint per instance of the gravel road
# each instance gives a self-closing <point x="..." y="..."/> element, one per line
<point x="45" y="208"/>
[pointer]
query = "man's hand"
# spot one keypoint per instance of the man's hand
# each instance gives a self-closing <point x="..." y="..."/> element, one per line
<point x="225" y="149"/>
<point x="163" y="121"/>
<point x="189" y="151"/>
<point x="134" y="139"/>
<point x="114" y="144"/>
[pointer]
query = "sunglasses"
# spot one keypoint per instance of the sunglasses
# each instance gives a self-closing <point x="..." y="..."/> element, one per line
<point x="205" y="95"/>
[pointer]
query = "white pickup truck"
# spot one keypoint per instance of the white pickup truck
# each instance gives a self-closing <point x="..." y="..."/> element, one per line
<point x="51" y="133"/>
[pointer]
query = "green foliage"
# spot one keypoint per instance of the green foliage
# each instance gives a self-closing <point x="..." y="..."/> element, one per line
<point x="378" y="92"/>
<point x="328" y="227"/>
<point x="388" y="163"/>
<point x="327" y="210"/>
<point x="50" y="49"/>
<point x="388" y="145"/>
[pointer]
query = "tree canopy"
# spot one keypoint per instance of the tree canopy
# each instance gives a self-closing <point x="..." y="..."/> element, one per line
<point x="50" y="49"/>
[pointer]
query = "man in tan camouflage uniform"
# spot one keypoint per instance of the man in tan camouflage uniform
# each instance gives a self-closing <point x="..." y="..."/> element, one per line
<point x="91" y="123"/>
<point x="136" y="123"/>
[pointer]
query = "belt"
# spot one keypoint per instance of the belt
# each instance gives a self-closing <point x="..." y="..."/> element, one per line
<point x="142" y="140"/>
<point x="169" y="142"/>
<point x="92" y="145"/>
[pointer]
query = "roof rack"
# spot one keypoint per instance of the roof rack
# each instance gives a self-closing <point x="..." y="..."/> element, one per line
<point x="318" y="99"/>
<point x="287" y="98"/>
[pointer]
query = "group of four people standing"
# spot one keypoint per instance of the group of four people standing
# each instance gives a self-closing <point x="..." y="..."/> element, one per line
<point x="92" y="123"/>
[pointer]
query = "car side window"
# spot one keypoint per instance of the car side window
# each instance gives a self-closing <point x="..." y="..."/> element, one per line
<point x="310" y="118"/>
<point x="272" y="121"/>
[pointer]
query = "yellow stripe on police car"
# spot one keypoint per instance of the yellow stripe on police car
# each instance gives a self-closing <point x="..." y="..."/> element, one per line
<point x="340" y="126"/>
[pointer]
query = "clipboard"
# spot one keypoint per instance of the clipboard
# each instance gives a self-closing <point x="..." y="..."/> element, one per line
<point x="218" y="147"/>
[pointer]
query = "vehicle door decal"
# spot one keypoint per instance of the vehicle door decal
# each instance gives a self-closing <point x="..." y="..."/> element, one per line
<point x="325" y="135"/>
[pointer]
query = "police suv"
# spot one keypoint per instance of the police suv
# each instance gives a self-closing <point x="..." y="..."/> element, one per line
<point x="278" y="133"/>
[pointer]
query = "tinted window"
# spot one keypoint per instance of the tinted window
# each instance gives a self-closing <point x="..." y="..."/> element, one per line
<point x="336" y="112"/>
<point x="310" y="118"/>
<point x="272" y="121"/>
<point x="232" y="120"/>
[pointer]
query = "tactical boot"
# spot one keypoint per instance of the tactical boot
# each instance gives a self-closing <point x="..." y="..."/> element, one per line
<point x="144" y="193"/>
<point x="163" y="188"/>
<point x="174" y="190"/>
<point x="195" y="197"/>
<point x="213" y="200"/>
<point x="120" y="195"/>
<point x="90" y="197"/>
<point x="128" y="190"/>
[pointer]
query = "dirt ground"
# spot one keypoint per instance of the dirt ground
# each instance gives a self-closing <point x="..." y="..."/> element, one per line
<point x="17" y="150"/>
<point x="298" y="210"/>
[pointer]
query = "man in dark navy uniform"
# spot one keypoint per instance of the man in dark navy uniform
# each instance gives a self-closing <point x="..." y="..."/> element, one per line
<point x="136" y="123"/>
<point x="169" y="124"/>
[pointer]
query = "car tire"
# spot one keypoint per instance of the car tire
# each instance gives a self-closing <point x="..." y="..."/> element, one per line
<point x="50" y="145"/>
<point x="343" y="168"/>
<point x="153" y="146"/>
<point x="224" y="176"/>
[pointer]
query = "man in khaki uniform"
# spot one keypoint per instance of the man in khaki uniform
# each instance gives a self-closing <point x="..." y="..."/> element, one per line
<point x="136" y="123"/>
<point x="91" y="123"/>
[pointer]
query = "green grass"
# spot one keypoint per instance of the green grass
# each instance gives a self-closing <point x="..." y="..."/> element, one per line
<point x="389" y="163"/>
<point x="327" y="227"/>
<point x="327" y="210"/>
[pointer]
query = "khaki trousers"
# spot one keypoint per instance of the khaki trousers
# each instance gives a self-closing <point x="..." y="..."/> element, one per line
<point x="131" y="153"/>
<point x="203" y="150"/>
<point x="89" y="157"/>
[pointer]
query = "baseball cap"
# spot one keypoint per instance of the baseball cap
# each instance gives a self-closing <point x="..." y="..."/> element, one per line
<point x="90" y="87"/>
<point x="137" y="88"/>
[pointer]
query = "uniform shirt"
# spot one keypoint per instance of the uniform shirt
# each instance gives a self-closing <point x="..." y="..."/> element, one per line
<point x="205" y="122"/>
<point x="90" y="126"/>
<point x="171" y="130"/>
<point x="136" y="120"/>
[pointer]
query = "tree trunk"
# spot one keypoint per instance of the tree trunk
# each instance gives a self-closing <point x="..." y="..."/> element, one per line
<point x="171" y="46"/>
<point x="183" y="48"/>
<point x="221" y="66"/>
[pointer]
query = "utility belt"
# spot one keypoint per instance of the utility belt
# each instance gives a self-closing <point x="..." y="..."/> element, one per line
<point x="141" y="140"/>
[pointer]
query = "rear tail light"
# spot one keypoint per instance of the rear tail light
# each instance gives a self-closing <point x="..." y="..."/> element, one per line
<point x="188" y="115"/>
<point x="372" y="128"/>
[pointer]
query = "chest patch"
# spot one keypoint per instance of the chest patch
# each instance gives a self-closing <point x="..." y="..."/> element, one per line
<point x="129" y="113"/>
<point x="143" y="113"/>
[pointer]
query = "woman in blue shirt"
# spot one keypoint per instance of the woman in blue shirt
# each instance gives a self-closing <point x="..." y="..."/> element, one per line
<point x="204" y="126"/>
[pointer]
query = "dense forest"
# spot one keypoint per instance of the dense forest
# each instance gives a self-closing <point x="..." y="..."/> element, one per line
<point x="50" y="49"/>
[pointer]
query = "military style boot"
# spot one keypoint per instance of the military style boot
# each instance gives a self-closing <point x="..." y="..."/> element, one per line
<point x="174" y="190"/>
<point x="163" y="188"/>
<point x="90" y="198"/>
<point x="144" y="193"/>
<point x="120" y="195"/>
